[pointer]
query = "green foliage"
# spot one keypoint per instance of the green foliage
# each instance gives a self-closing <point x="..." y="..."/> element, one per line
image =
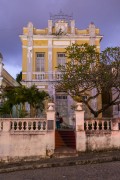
<point x="6" y="109"/>
<point x="19" y="77"/>
<point x="22" y="113"/>
<point x="15" y="96"/>
<point x="88" y="70"/>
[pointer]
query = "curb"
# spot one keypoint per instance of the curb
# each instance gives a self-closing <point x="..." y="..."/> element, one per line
<point x="59" y="164"/>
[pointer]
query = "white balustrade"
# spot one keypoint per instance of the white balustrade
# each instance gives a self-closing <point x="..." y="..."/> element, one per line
<point x="40" y="76"/>
<point x="28" y="125"/>
<point x="54" y="75"/>
<point x="97" y="125"/>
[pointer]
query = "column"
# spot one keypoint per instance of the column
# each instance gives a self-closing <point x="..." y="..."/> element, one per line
<point x="80" y="133"/>
<point x="29" y="54"/>
<point x="50" y="141"/>
<point x="50" y="69"/>
<point x="92" y="42"/>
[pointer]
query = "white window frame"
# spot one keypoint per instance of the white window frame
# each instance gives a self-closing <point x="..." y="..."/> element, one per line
<point x="61" y="58"/>
<point x="40" y="61"/>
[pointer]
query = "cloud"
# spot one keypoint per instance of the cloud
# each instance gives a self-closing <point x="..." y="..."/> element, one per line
<point x="14" y="14"/>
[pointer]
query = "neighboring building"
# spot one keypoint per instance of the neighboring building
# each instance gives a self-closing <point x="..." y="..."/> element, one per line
<point x="6" y="80"/>
<point x="44" y="49"/>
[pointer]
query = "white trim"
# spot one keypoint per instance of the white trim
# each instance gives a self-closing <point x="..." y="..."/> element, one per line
<point x="46" y="47"/>
<point x="41" y="87"/>
<point x="69" y="37"/>
<point x="61" y="43"/>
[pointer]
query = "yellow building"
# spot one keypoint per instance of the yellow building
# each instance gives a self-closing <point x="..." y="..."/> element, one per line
<point x="44" y="49"/>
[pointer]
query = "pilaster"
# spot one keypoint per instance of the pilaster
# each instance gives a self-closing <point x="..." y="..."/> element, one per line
<point x="92" y="42"/>
<point x="49" y="26"/>
<point x="50" y="70"/>
<point x="29" y="54"/>
<point x="73" y="27"/>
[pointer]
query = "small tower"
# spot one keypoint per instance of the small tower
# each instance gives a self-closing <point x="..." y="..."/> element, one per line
<point x="92" y="33"/>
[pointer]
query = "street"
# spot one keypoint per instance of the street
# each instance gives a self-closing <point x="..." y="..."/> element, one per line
<point x="103" y="171"/>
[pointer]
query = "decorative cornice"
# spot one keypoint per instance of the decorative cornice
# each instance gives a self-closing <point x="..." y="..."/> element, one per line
<point x="54" y="46"/>
<point x="69" y="36"/>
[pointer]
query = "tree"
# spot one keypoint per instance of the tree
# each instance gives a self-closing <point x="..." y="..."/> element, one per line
<point x="36" y="99"/>
<point x="19" y="77"/>
<point x="6" y="110"/>
<point x="88" y="74"/>
<point x="18" y="96"/>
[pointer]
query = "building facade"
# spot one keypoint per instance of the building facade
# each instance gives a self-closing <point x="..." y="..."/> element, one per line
<point x="6" y="80"/>
<point x="44" y="49"/>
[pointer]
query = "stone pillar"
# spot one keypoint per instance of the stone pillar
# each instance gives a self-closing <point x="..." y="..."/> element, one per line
<point x="80" y="133"/>
<point x="5" y="140"/>
<point x="92" y="33"/>
<point x="51" y="115"/>
<point x="6" y="125"/>
<point x="79" y="113"/>
<point x="50" y="141"/>
<point x="72" y="26"/>
<point x="115" y="124"/>
<point x="49" y="26"/>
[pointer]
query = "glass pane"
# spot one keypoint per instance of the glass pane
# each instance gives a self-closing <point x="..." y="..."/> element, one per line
<point x="40" y="61"/>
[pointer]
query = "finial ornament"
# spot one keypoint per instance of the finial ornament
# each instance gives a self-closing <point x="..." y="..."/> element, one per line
<point x="50" y="106"/>
<point x="79" y="107"/>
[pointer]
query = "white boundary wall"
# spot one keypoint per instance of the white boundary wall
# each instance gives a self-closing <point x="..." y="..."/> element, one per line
<point x="27" y="138"/>
<point x="96" y="135"/>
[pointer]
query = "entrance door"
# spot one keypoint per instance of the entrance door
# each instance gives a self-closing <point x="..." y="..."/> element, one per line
<point x="62" y="105"/>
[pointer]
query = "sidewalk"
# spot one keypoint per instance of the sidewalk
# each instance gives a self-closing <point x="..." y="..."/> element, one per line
<point x="81" y="159"/>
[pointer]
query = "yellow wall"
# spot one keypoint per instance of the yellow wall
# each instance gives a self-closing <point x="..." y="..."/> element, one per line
<point x="40" y="43"/>
<point x="42" y="50"/>
<point x="24" y="57"/>
<point x="83" y="41"/>
<point x="55" y="51"/>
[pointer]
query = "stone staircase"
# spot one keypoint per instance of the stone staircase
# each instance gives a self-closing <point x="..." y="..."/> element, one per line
<point x="65" y="138"/>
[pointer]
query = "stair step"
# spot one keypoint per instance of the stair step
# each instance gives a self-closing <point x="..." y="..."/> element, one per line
<point x="62" y="152"/>
<point x="65" y="139"/>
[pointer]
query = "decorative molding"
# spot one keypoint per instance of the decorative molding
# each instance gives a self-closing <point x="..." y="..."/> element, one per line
<point x="67" y="37"/>
<point x="64" y="43"/>
<point x="41" y="87"/>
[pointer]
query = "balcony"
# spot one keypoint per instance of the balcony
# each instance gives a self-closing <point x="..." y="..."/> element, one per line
<point x="47" y="76"/>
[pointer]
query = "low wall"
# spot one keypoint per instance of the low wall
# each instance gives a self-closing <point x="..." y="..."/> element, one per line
<point x="96" y="135"/>
<point x="103" y="141"/>
<point x="22" y="139"/>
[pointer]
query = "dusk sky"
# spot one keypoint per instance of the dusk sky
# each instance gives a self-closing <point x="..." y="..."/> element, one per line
<point x="15" y="14"/>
